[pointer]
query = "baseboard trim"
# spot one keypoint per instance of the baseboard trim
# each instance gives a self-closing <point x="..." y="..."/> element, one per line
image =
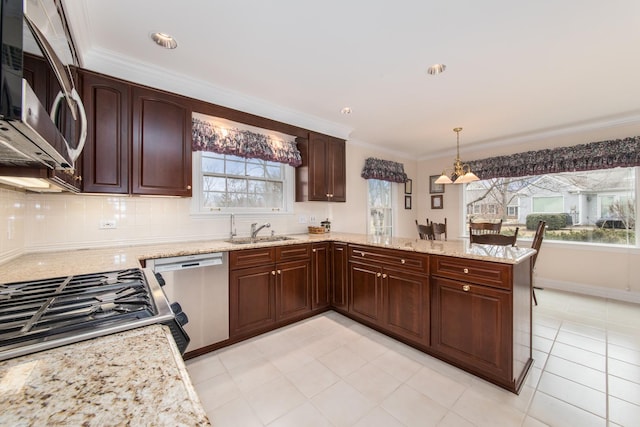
<point x="596" y="291"/>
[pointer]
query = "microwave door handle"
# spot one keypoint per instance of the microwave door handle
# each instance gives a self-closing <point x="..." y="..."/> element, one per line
<point x="73" y="152"/>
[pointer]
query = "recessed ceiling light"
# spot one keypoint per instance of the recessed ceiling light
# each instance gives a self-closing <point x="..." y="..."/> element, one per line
<point x="164" y="40"/>
<point x="436" y="69"/>
<point x="346" y="110"/>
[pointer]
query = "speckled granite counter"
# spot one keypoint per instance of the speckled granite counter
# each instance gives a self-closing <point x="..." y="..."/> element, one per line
<point x="131" y="378"/>
<point x="62" y="263"/>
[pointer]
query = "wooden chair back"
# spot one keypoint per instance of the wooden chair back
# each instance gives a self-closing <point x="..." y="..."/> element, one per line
<point x="439" y="229"/>
<point x="537" y="241"/>
<point x="485" y="227"/>
<point x="424" y="231"/>
<point x="495" y="239"/>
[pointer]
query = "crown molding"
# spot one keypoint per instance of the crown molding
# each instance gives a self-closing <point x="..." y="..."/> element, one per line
<point x="107" y="62"/>
<point x="381" y="149"/>
<point x="627" y="119"/>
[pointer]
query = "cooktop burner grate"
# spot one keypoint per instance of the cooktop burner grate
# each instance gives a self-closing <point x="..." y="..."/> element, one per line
<point x="43" y="308"/>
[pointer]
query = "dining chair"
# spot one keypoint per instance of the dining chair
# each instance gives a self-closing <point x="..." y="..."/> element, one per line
<point x="485" y="227"/>
<point x="495" y="239"/>
<point x="424" y="231"/>
<point x="536" y="244"/>
<point x="439" y="229"/>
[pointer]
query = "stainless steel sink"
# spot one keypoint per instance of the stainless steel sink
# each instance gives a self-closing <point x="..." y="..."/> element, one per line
<point x="265" y="239"/>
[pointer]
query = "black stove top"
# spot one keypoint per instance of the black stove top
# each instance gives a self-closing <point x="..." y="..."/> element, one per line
<point x="46" y="313"/>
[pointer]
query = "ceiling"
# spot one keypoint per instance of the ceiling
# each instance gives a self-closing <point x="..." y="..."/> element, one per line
<point x="514" y="69"/>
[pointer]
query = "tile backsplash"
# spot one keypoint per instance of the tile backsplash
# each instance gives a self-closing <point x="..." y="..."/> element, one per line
<point x="41" y="222"/>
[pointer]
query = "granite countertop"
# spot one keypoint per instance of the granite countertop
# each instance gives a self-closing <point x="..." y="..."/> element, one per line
<point x="42" y="265"/>
<point x="135" y="377"/>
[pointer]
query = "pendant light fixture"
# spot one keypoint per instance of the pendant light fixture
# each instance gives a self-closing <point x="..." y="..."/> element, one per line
<point x="459" y="176"/>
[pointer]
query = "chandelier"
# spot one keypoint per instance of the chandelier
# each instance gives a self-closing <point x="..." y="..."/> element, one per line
<point x="461" y="172"/>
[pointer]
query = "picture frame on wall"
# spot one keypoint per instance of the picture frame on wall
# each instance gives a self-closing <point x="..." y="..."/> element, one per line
<point x="433" y="187"/>
<point x="436" y="202"/>
<point x="407" y="202"/>
<point x="408" y="186"/>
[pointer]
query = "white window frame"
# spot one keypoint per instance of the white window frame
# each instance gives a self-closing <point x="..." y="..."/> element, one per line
<point x="391" y="208"/>
<point x="197" y="209"/>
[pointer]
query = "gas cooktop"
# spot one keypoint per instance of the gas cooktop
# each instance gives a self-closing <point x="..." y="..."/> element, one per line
<point x="42" y="314"/>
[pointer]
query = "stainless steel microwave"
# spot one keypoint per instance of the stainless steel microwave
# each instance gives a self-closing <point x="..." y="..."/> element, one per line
<point x="29" y="136"/>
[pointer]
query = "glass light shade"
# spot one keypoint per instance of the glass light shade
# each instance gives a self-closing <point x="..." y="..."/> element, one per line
<point x="443" y="179"/>
<point x="466" y="178"/>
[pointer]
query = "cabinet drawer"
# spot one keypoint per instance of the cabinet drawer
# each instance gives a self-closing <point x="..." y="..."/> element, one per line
<point x="408" y="260"/>
<point x="251" y="257"/>
<point x="482" y="272"/>
<point x="293" y="252"/>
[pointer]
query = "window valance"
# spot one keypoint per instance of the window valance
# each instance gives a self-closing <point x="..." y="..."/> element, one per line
<point x="207" y="136"/>
<point x="591" y="156"/>
<point x="384" y="170"/>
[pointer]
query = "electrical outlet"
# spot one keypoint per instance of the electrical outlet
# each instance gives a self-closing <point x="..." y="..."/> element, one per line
<point x="312" y="218"/>
<point x="108" y="224"/>
<point x="302" y="219"/>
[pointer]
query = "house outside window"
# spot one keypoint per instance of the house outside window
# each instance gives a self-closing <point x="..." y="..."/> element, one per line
<point x="235" y="184"/>
<point x="593" y="206"/>
<point x="380" y="208"/>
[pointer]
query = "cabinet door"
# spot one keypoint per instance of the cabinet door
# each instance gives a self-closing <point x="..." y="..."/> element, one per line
<point x="320" y="274"/>
<point x="105" y="158"/>
<point x="406" y="304"/>
<point x="251" y="300"/>
<point x="293" y="294"/>
<point x="336" y="165"/>
<point x="319" y="174"/>
<point x="365" y="296"/>
<point x="471" y="324"/>
<point x="339" y="283"/>
<point x="161" y="163"/>
<point x="322" y="175"/>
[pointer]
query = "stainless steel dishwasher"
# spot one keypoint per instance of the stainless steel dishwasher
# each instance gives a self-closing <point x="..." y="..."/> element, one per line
<point x="200" y="284"/>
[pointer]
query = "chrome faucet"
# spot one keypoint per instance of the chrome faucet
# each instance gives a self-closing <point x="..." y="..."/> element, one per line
<point x="232" y="226"/>
<point x="254" y="230"/>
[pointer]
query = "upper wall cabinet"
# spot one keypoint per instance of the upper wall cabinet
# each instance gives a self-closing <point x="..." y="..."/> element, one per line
<point x="161" y="139"/>
<point x="105" y="158"/>
<point x="322" y="175"/>
<point x="138" y="140"/>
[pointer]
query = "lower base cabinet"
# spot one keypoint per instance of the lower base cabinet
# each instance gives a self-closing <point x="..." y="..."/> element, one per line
<point x="268" y="287"/>
<point x="339" y="289"/>
<point x="471" y="313"/>
<point x="406" y="305"/>
<point x="251" y="300"/>
<point x="472" y="325"/>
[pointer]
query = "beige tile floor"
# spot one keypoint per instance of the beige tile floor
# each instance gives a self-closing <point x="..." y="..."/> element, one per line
<point x="331" y="371"/>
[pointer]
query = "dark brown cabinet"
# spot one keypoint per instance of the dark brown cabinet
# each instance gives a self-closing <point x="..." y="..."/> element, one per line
<point x="481" y="317"/>
<point x="365" y="296"/>
<point x="252" y="305"/>
<point x="268" y="287"/>
<point x="339" y="285"/>
<point x="322" y="175"/>
<point x="472" y="325"/>
<point x="320" y="275"/>
<point x="105" y="158"/>
<point x="406" y="304"/>
<point x="389" y="289"/>
<point x="138" y="139"/>
<point x="161" y="142"/>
